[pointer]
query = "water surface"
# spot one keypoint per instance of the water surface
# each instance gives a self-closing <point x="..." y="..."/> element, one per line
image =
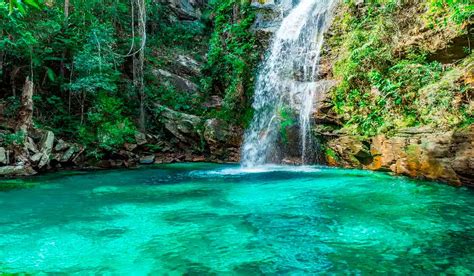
<point x="217" y="219"/>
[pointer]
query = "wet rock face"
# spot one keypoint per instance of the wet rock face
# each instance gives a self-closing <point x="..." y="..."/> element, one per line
<point x="269" y="15"/>
<point x="415" y="152"/>
<point x="223" y="140"/>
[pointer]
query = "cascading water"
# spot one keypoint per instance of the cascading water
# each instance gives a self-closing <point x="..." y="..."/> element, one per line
<point x="287" y="81"/>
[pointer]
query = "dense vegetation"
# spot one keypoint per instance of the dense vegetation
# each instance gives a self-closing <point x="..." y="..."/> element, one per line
<point x="90" y="84"/>
<point x="389" y="76"/>
<point x="106" y="70"/>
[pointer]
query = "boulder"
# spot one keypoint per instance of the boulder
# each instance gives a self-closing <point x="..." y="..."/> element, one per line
<point x="44" y="160"/>
<point x="222" y="139"/>
<point x="269" y="15"/>
<point x="140" y="138"/>
<point x="214" y="102"/>
<point x="67" y="156"/>
<point x="47" y="141"/>
<point x="130" y="147"/>
<point x="185" y="127"/>
<point x="3" y="156"/>
<point x="61" y="145"/>
<point x="36" y="157"/>
<point x="31" y="146"/>
<point x="42" y="157"/>
<point x="216" y="131"/>
<point x="20" y="170"/>
<point x="186" y="9"/>
<point x="147" y="160"/>
<point x="185" y="65"/>
<point x="181" y="83"/>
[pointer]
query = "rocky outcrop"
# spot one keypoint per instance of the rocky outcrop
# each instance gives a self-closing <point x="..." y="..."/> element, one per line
<point x="3" y="156"/>
<point x="18" y="170"/>
<point x="179" y="82"/>
<point x="223" y="140"/>
<point x="269" y="15"/>
<point x="40" y="151"/>
<point x="185" y="127"/>
<point x="186" y="9"/>
<point x="415" y="152"/>
<point x="215" y="138"/>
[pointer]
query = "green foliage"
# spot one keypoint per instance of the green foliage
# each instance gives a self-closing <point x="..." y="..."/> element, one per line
<point x="21" y="6"/>
<point x="167" y="94"/>
<point x="95" y="64"/>
<point x="331" y="153"/>
<point x="175" y="35"/>
<point x="379" y="91"/>
<point x="107" y="128"/>
<point x="9" y="139"/>
<point x="286" y="120"/>
<point x="232" y="57"/>
<point x="458" y="11"/>
<point x="54" y="115"/>
<point x="12" y="105"/>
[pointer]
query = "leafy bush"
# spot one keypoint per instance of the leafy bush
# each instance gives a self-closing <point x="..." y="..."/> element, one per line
<point x="9" y="139"/>
<point x="95" y="64"/>
<point x="286" y="120"/>
<point x="379" y="91"/>
<point x="232" y="58"/>
<point x="459" y="11"/>
<point x="106" y="126"/>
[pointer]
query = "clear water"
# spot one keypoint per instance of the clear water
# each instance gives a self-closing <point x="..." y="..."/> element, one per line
<point x="215" y="219"/>
<point x="287" y="83"/>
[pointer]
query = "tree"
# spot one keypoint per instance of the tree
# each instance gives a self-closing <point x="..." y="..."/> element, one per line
<point x="138" y="63"/>
<point x="94" y="66"/>
<point x="20" y="5"/>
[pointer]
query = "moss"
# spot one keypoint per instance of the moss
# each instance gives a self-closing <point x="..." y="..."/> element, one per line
<point x="331" y="153"/>
<point x="386" y="80"/>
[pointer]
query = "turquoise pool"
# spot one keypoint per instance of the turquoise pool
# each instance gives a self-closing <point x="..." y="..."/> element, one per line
<point x="207" y="219"/>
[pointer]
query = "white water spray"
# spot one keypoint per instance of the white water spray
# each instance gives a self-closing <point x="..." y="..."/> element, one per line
<point x="287" y="81"/>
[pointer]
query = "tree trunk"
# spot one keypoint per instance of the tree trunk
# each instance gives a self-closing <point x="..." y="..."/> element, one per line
<point x="66" y="9"/>
<point x="63" y="55"/>
<point x="138" y="64"/>
<point x="83" y="103"/>
<point x="25" y="114"/>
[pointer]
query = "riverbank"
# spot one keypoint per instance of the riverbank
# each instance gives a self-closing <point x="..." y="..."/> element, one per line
<point x="415" y="152"/>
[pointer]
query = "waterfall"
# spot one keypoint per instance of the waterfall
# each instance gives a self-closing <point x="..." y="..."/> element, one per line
<point x="287" y="81"/>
